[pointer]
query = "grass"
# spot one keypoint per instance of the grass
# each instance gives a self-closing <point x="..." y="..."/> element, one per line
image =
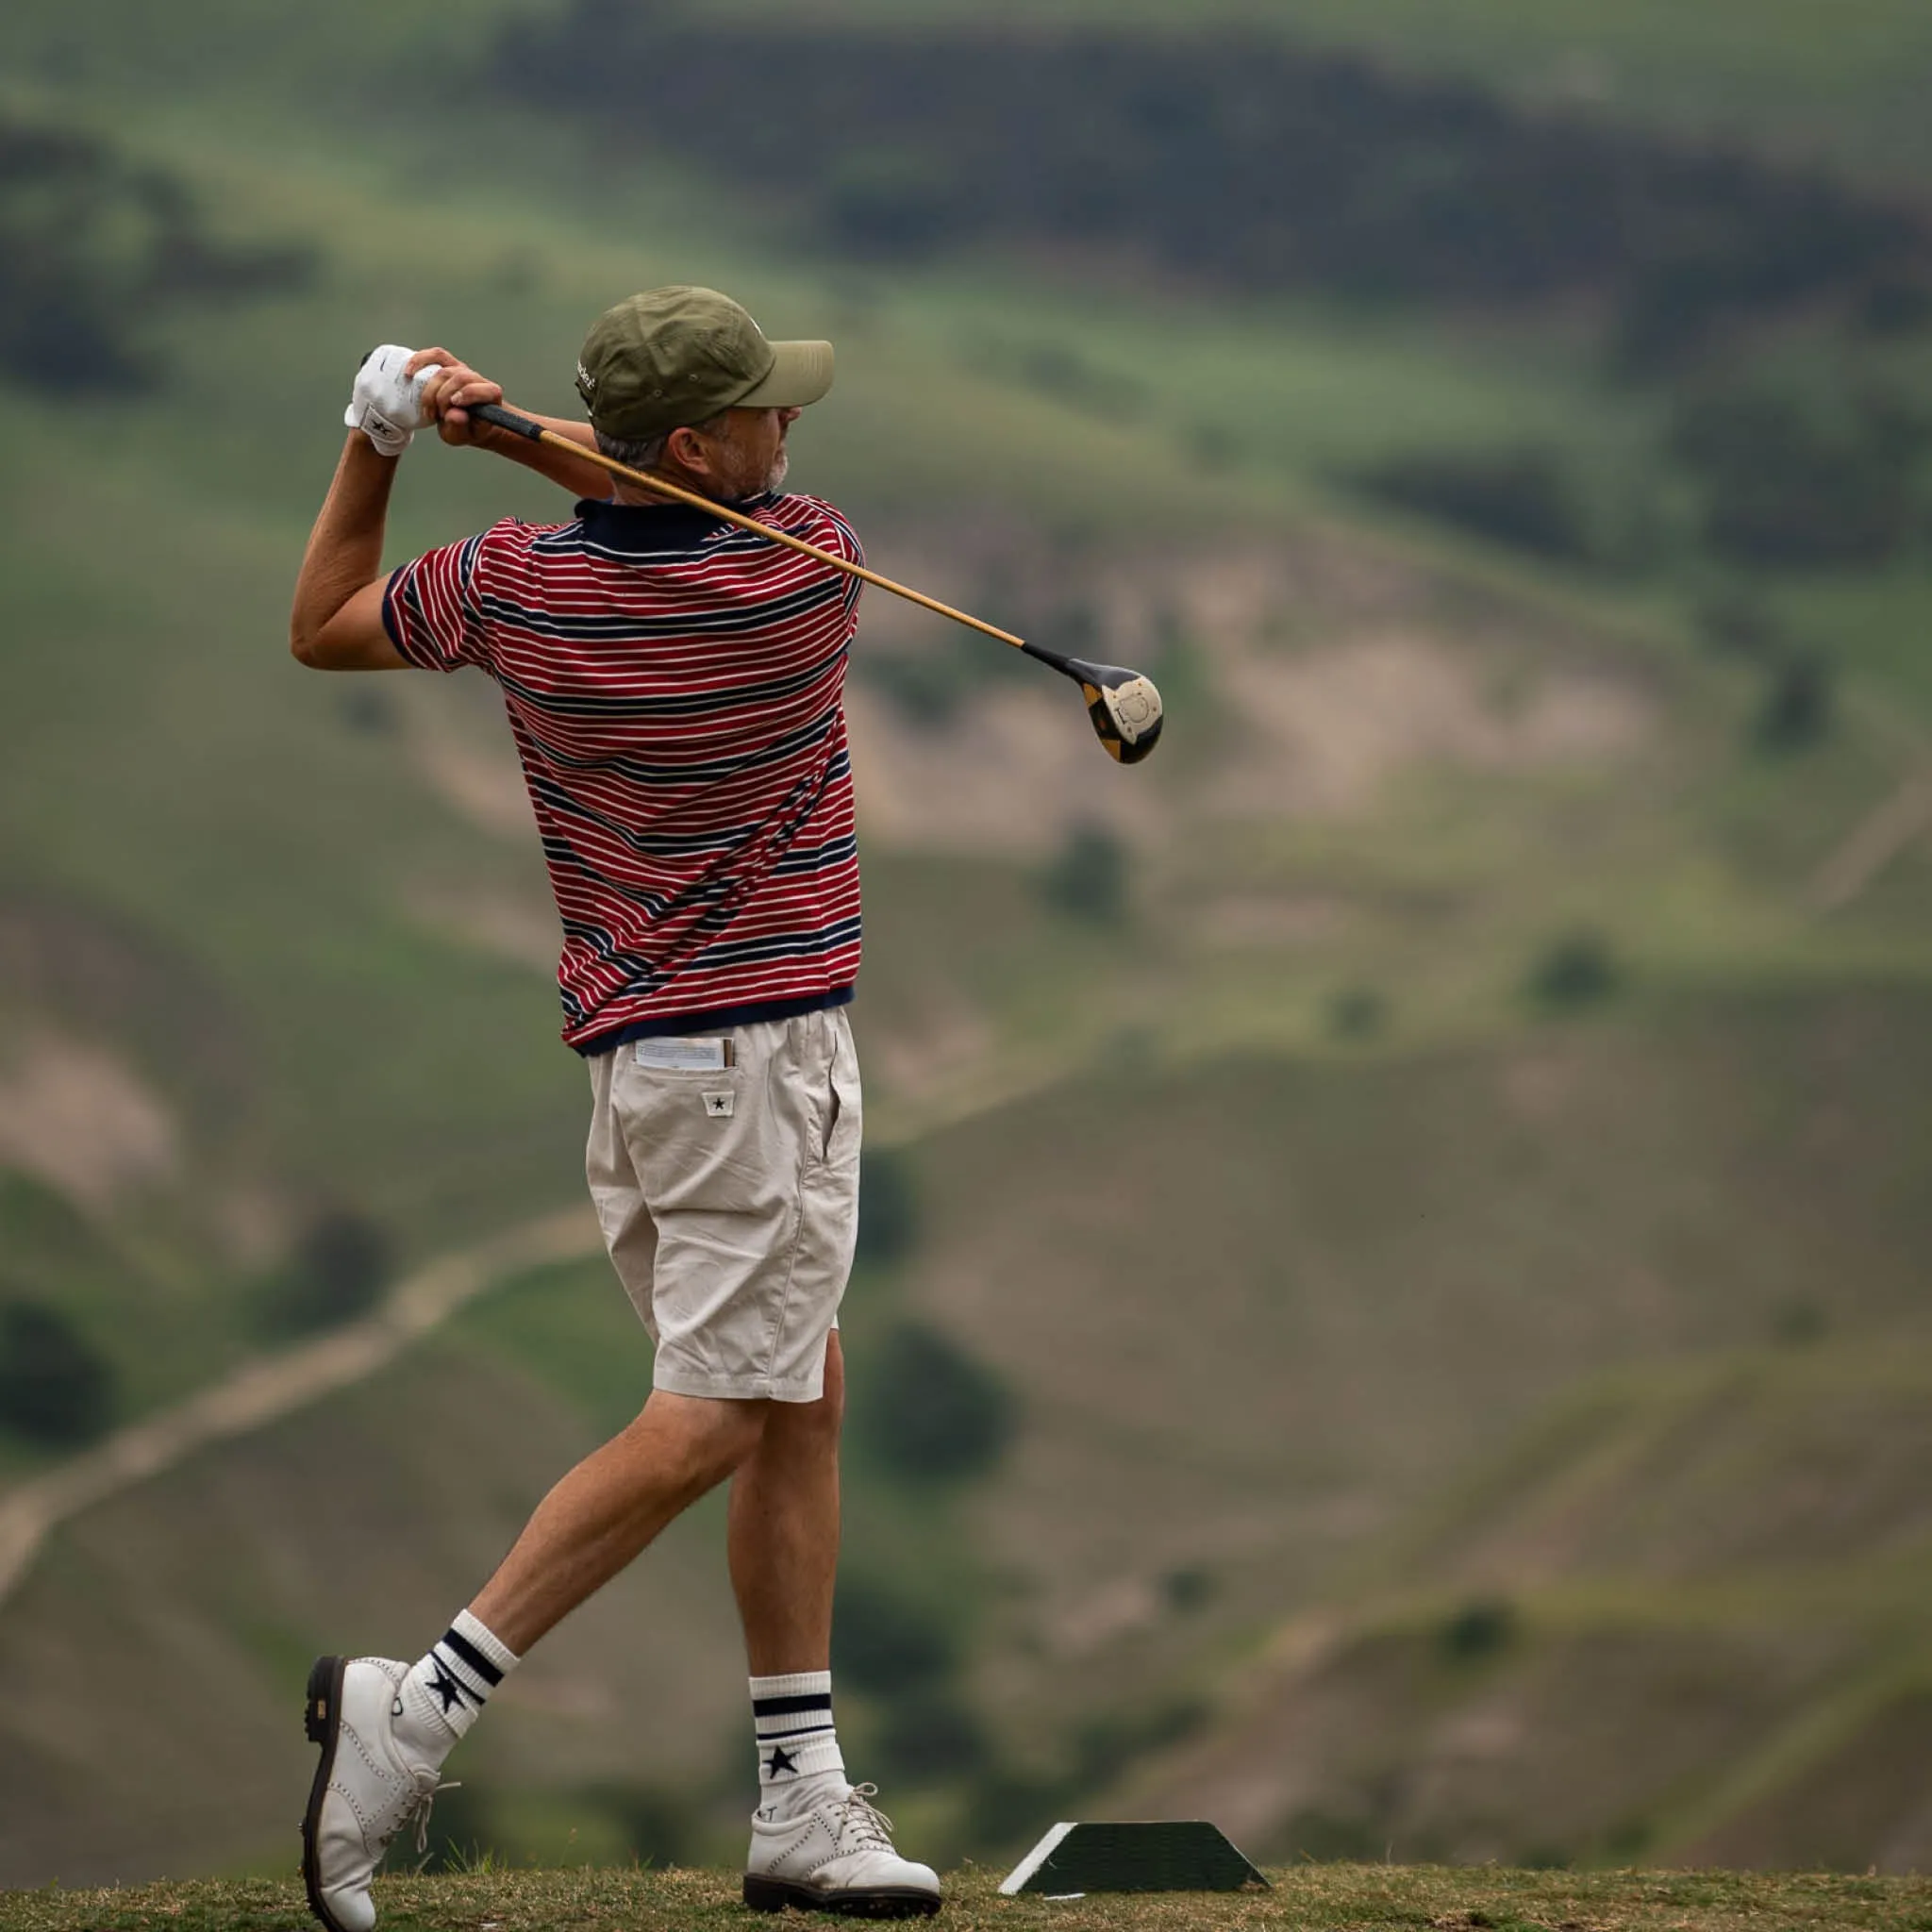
<point x="1340" y="1898"/>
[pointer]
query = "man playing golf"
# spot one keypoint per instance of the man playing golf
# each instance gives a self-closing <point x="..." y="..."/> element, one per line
<point x="673" y="685"/>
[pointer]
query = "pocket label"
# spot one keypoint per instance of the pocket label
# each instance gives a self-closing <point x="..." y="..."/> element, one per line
<point x="683" y="1053"/>
<point x="719" y="1104"/>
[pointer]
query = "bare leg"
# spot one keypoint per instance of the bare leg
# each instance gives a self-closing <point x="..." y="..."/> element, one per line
<point x="784" y="1531"/>
<point x="611" y="1507"/>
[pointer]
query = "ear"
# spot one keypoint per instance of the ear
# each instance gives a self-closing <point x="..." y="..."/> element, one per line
<point x="686" y="449"/>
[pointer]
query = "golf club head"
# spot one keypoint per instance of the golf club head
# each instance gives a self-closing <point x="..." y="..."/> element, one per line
<point x="1124" y="707"/>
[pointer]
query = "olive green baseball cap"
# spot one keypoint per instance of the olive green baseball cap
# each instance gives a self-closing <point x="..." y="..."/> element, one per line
<point x="678" y="356"/>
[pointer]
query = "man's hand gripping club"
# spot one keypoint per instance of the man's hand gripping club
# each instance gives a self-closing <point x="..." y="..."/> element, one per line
<point x="386" y="404"/>
<point x="337" y="621"/>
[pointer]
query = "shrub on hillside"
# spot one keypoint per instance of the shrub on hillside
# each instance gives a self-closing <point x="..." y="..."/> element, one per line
<point x="1824" y="476"/>
<point x="1357" y="1012"/>
<point x="929" y="1734"/>
<point x="1578" y="970"/>
<point x="887" y="1207"/>
<point x="1188" y="1588"/>
<point x="885" y="1642"/>
<point x="929" y="687"/>
<point x="891" y="204"/>
<point x="1800" y="1323"/>
<point x="1478" y="1630"/>
<point x="1089" y="878"/>
<point x="925" y="688"/>
<point x="660" y="1823"/>
<point x="1796" y="711"/>
<point x="336" y="1273"/>
<point x="1106" y="1744"/>
<point x="1525" y="498"/>
<point x="57" y="1388"/>
<point x="930" y="1411"/>
<point x="94" y="249"/>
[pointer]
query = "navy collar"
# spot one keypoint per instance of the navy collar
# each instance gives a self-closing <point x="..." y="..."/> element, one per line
<point x="652" y="529"/>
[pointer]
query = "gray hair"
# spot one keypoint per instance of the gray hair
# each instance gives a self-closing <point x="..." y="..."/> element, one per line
<point x="648" y="454"/>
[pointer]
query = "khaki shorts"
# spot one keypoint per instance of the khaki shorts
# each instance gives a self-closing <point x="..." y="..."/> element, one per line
<point x="729" y="1200"/>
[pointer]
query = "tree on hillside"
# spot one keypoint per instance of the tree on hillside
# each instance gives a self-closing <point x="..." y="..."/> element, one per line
<point x="1089" y="878"/>
<point x="57" y="1388"/>
<point x="1577" y="969"/>
<point x="94" y="249"/>
<point x="887" y="1207"/>
<point x="337" y="1272"/>
<point x="930" y="1411"/>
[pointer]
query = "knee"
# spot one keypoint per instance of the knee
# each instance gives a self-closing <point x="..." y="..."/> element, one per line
<point x="808" y="1426"/>
<point x="733" y="1437"/>
<point x="800" y="1433"/>
<point x="704" y="1441"/>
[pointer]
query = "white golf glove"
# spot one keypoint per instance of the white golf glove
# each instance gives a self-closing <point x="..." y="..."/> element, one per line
<point x="386" y="405"/>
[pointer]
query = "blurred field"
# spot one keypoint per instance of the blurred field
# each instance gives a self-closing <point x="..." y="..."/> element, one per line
<point x="1488" y="986"/>
<point x="1841" y="80"/>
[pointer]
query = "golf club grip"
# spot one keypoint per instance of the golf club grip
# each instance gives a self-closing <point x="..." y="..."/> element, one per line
<point x="500" y="418"/>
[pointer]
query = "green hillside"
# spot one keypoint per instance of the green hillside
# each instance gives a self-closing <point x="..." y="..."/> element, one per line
<point x="1677" y="1620"/>
<point x="1191" y="1335"/>
<point x="1515" y="964"/>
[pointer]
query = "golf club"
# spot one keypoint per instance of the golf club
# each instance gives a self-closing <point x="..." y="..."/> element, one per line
<point x="1124" y="706"/>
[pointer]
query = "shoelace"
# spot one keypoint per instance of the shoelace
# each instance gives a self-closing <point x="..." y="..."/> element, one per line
<point x="863" y="1820"/>
<point x="418" y="1814"/>
<point x="422" y="1813"/>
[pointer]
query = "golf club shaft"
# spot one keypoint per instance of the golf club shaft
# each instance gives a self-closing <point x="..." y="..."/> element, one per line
<point x="501" y="418"/>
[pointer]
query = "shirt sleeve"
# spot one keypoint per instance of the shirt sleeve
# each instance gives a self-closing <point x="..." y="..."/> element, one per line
<point x="434" y="608"/>
<point x="844" y="541"/>
<point x="834" y="533"/>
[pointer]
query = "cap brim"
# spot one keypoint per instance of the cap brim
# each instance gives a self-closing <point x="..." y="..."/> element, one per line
<point x="800" y="376"/>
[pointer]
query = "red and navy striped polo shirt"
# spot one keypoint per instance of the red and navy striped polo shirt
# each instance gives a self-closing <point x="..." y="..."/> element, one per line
<point x="675" y="687"/>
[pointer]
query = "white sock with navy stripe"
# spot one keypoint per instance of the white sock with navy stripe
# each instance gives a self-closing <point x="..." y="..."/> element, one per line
<point x="444" y="1693"/>
<point x="797" y="1742"/>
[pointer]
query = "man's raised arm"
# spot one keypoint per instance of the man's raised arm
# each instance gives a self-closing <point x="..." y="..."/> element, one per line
<point x="337" y="621"/>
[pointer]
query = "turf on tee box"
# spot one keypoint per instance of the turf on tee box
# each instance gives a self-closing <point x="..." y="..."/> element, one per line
<point x="1191" y="1855"/>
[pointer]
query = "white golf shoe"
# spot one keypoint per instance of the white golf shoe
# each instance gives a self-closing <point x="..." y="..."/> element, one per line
<point x="366" y="1788"/>
<point x="837" y="1857"/>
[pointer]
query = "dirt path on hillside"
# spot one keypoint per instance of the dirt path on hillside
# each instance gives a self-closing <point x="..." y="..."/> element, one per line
<point x="263" y="1391"/>
<point x="1877" y="839"/>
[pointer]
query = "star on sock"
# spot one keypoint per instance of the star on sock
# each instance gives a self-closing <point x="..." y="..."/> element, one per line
<point x="445" y="1686"/>
<point x="445" y="1691"/>
<point x="793" y="1717"/>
